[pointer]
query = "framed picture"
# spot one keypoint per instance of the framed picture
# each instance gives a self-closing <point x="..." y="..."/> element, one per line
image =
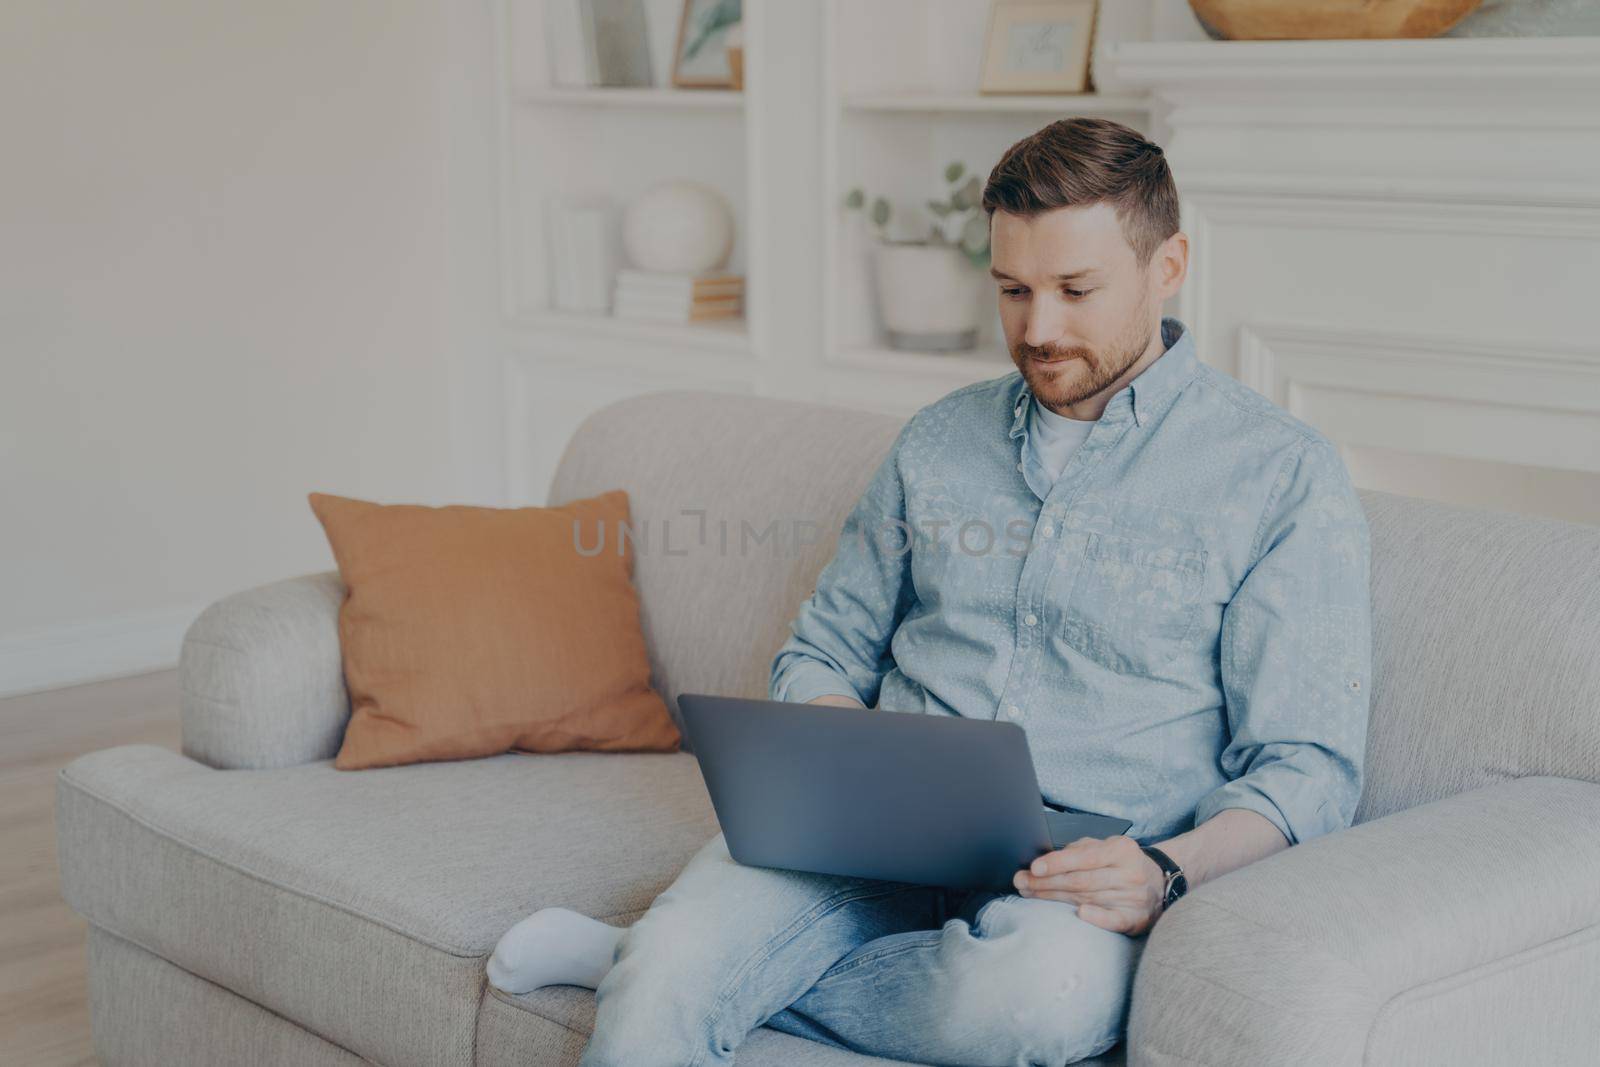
<point x="1038" y="46"/>
<point x="615" y="40"/>
<point x="700" y="60"/>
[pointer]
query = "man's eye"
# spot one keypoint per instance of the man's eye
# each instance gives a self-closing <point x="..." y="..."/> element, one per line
<point x="1077" y="293"/>
<point x="1013" y="292"/>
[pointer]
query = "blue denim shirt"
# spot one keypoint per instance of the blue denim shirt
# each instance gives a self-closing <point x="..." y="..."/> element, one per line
<point x="1180" y="623"/>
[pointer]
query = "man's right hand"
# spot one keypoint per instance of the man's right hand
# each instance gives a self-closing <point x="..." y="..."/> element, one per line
<point x="838" y="701"/>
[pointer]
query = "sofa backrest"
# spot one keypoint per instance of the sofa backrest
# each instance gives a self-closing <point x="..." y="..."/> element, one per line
<point x="715" y="610"/>
<point x="1486" y="650"/>
<point x="1486" y="625"/>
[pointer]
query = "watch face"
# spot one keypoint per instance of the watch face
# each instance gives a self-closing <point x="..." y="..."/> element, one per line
<point x="1176" y="887"/>
<point x="1172" y="882"/>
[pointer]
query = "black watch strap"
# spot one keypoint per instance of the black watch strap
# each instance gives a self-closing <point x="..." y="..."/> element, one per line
<point x="1174" y="885"/>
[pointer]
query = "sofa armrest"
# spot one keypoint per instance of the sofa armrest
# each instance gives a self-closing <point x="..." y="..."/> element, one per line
<point x="1466" y="930"/>
<point x="261" y="676"/>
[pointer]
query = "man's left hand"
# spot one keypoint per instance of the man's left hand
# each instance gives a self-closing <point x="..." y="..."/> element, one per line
<point x="1114" y="884"/>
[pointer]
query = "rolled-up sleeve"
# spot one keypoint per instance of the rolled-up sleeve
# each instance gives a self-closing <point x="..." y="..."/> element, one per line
<point x="1296" y="655"/>
<point x="839" y="640"/>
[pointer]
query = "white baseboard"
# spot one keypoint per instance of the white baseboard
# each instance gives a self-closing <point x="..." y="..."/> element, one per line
<point x="93" y="651"/>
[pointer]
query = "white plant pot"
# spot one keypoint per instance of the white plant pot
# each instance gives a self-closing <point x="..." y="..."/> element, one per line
<point x="930" y="297"/>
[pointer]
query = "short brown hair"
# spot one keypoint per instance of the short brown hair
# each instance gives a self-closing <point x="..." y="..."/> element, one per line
<point x="1085" y="161"/>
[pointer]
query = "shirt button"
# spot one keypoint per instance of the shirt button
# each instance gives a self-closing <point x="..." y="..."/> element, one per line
<point x="1030" y="618"/>
<point x="1019" y="466"/>
<point x="1014" y="711"/>
<point x="1047" y="530"/>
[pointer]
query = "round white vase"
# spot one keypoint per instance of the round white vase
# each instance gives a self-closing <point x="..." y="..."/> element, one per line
<point x="929" y="296"/>
<point x="680" y="227"/>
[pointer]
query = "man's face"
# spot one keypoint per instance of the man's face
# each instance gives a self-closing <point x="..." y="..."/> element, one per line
<point x="1078" y="310"/>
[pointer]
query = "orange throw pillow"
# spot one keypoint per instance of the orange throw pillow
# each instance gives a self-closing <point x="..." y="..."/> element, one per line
<point x="468" y="631"/>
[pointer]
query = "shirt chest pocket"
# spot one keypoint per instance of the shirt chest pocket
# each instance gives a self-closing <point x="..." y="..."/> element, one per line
<point x="1134" y="603"/>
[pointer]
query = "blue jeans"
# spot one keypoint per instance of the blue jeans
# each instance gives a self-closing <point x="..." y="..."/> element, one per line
<point x="919" y="973"/>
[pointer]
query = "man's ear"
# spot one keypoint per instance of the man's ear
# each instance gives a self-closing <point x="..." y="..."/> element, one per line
<point x="1171" y="263"/>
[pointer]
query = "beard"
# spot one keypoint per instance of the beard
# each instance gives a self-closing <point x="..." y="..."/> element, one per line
<point x="1083" y="371"/>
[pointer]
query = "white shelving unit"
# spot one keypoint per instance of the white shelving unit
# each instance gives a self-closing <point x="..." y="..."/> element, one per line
<point x="610" y="143"/>
<point x="563" y="141"/>
<point x="893" y="118"/>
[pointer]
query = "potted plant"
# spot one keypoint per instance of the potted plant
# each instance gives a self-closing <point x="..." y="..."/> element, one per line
<point x="931" y="289"/>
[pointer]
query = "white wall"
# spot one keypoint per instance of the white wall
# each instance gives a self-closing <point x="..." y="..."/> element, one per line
<point x="246" y="251"/>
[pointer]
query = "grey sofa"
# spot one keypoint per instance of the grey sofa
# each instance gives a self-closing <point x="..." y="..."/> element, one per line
<point x="250" y="904"/>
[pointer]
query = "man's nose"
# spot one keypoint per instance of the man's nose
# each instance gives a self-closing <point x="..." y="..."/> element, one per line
<point x="1046" y="323"/>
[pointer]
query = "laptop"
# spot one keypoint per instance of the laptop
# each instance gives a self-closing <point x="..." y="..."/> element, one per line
<point x="926" y="799"/>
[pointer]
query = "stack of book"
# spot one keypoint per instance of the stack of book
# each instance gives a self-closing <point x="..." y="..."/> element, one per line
<point x="660" y="297"/>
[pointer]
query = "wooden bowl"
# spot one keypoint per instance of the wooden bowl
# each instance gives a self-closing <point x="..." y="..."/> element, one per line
<point x="1261" y="20"/>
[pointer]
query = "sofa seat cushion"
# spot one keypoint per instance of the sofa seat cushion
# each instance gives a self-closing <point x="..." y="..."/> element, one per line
<point x="362" y="905"/>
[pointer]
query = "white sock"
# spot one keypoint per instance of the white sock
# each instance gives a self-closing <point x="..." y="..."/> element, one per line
<point x="553" y="946"/>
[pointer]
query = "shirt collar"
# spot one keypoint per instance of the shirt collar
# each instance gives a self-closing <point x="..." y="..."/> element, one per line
<point x="1148" y="393"/>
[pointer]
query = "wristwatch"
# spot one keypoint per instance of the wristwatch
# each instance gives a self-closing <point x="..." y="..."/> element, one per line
<point x="1175" y="885"/>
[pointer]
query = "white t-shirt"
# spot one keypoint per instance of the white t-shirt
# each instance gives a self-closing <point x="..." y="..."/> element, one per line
<point x="1055" y="437"/>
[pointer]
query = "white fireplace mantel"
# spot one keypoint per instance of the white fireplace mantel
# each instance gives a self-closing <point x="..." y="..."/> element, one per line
<point x="1505" y="118"/>
<point x="1368" y="219"/>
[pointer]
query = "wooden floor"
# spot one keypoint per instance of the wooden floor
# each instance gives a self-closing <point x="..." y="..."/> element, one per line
<point x="44" y="1015"/>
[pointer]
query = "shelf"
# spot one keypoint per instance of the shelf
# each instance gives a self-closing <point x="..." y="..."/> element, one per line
<point x="725" y="335"/>
<point x="999" y="103"/>
<point x="640" y="98"/>
<point x="974" y="366"/>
